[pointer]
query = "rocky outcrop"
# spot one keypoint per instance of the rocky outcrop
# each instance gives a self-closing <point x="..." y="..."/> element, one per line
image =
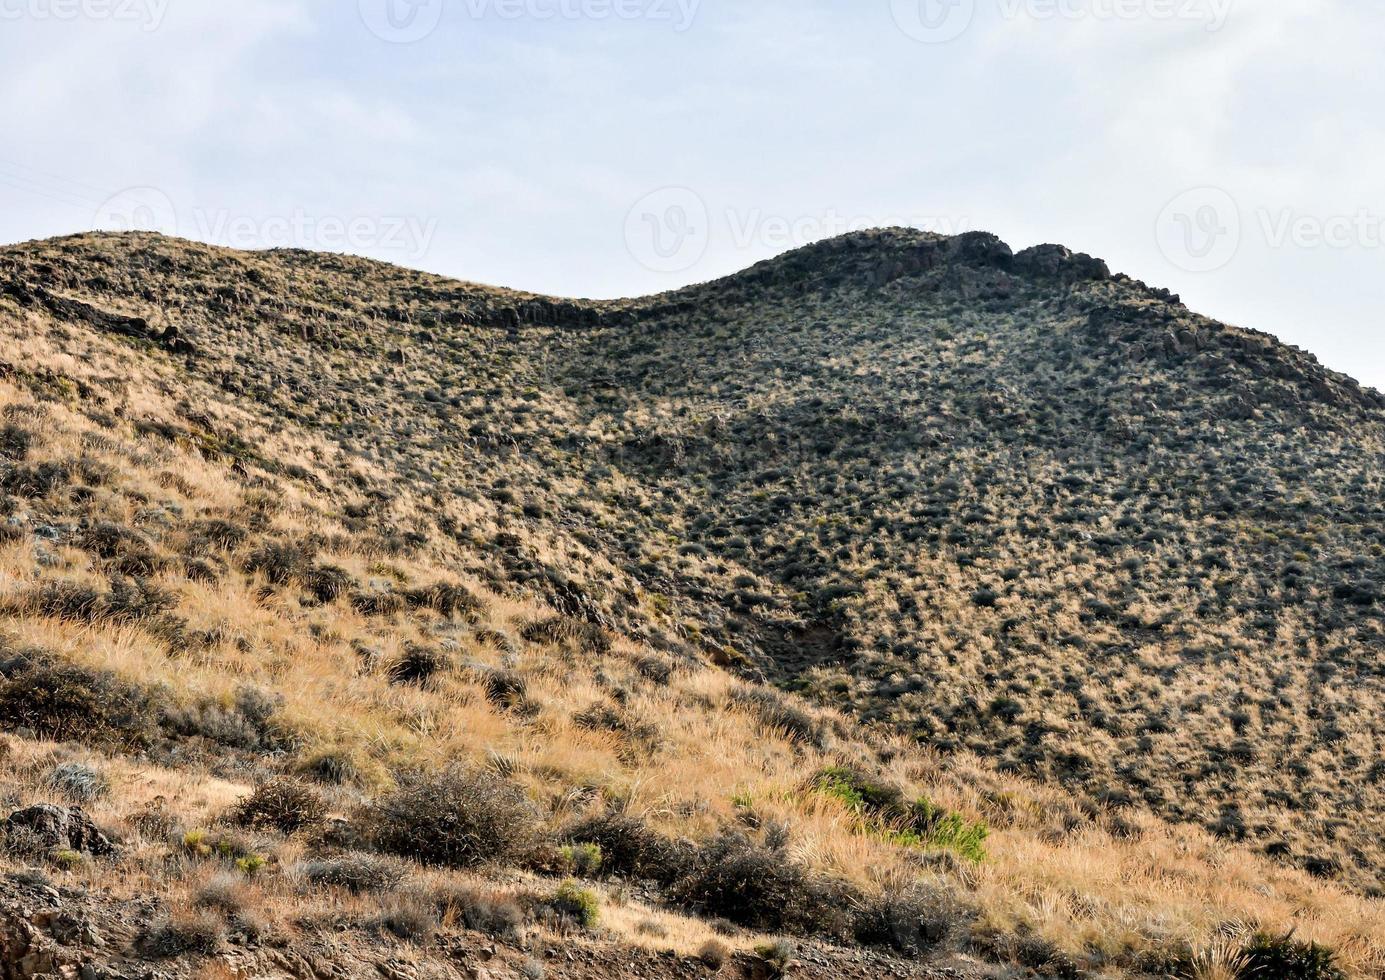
<point x="56" y="828"/>
<point x="134" y="327"/>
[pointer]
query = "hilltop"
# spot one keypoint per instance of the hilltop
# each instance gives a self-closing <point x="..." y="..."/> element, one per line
<point x="995" y="598"/>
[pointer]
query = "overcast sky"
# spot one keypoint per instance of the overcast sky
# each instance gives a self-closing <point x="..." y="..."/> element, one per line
<point x="1231" y="150"/>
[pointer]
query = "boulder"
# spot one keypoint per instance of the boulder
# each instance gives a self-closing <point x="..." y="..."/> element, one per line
<point x="60" y="828"/>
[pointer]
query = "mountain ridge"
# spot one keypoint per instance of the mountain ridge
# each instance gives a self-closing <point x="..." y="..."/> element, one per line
<point x="1012" y="511"/>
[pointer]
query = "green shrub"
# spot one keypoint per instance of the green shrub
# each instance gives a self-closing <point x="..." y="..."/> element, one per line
<point x="458" y="818"/>
<point x="1286" y="958"/>
<point x="576" y="904"/>
<point x="933" y="827"/>
<point x="583" y="860"/>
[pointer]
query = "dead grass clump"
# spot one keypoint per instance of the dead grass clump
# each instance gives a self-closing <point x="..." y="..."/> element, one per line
<point x="356" y="873"/>
<point x="481" y="908"/>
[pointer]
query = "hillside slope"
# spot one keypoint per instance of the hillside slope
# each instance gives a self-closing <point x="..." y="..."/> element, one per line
<point x="1018" y="518"/>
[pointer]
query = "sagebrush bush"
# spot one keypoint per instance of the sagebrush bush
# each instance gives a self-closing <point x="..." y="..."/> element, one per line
<point x="79" y="782"/>
<point x="459" y="818"/>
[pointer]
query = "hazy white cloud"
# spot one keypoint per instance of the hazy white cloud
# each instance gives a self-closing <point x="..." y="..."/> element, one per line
<point x="512" y="148"/>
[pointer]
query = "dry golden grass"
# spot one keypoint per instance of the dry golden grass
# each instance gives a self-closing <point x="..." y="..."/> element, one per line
<point x="1100" y="886"/>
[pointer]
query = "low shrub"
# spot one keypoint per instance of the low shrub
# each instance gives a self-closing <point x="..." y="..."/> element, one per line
<point x="200" y="933"/>
<point x="773" y="712"/>
<point x="284" y="804"/>
<point x="565" y="630"/>
<point x="356" y="873"/>
<point x="761" y="888"/>
<point x="78" y="782"/>
<point x="445" y="598"/>
<point x="458" y="818"/>
<point x="480" y="909"/>
<point x="327" y="583"/>
<point x="407" y="917"/>
<point x="417" y="665"/>
<point x="913" y="922"/>
<point x="281" y="563"/>
<point x="631" y="848"/>
<point x="15" y="441"/>
<point x="575" y="904"/>
<point x="1286" y="958"/>
<point x="64" y="701"/>
<point x="714" y="953"/>
<point x="582" y="860"/>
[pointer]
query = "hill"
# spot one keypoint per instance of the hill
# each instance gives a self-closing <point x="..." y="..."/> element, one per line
<point x="1086" y="589"/>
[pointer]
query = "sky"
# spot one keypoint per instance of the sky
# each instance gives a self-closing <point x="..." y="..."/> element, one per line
<point x="1230" y="150"/>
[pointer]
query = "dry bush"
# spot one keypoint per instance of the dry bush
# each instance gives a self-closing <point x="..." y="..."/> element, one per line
<point x="284" y="804"/>
<point x="458" y="818"/>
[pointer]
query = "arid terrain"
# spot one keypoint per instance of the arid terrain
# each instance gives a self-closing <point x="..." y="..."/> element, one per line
<point x="902" y="606"/>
